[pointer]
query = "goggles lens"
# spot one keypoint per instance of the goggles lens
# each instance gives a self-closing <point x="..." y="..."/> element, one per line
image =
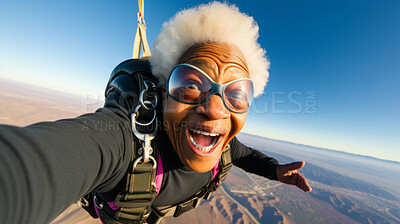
<point x="189" y="84"/>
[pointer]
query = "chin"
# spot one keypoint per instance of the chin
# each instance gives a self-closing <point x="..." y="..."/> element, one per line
<point x="201" y="167"/>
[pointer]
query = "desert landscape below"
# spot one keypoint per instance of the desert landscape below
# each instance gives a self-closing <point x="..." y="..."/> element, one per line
<point x="347" y="188"/>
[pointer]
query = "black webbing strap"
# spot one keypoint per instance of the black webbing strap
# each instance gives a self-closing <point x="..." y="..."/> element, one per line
<point x="138" y="194"/>
<point x="139" y="191"/>
<point x="225" y="164"/>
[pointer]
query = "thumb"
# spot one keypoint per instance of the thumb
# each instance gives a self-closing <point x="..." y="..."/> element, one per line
<point x="294" y="165"/>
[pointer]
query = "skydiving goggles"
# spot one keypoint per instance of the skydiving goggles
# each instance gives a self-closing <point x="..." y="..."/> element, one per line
<point x="188" y="84"/>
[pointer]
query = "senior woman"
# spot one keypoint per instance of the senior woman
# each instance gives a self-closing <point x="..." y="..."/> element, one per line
<point x="208" y="66"/>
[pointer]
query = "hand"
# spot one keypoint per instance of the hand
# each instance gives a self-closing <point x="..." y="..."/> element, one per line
<point x="289" y="174"/>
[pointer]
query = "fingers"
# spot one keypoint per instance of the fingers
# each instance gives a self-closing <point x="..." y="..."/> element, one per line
<point x="289" y="174"/>
<point x="302" y="183"/>
<point x="294" y="177"/>
<point x="286" y="170"/>
<point x="294" y="166"/>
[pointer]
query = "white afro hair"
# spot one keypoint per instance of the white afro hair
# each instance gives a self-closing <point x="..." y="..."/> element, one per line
<point x="210" y="23"/>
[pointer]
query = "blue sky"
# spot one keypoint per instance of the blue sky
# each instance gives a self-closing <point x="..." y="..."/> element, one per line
<point x="334" y="64"/>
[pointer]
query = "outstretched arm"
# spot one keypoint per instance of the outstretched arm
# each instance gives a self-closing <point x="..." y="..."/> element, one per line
<point x="256" y="162"/>
<point x="253" y="161"/>
<point x="47" y="166"/>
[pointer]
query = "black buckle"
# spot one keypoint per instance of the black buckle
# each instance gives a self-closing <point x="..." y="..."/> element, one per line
<point x="186" y="206"/>
<point x="135" y="203"/>
<point x="207" y="195"/>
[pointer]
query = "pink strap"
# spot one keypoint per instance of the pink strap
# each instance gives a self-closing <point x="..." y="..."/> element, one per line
<point x="215" y="170"/>
<point x="112" y="205"/>
<point x="159" y="174"/>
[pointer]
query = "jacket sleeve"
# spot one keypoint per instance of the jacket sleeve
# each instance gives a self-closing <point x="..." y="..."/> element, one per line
<point x="47" y="166"/>
<point x="253" y="161"/>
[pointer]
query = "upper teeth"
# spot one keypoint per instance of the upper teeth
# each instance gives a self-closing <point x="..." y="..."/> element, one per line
<point x="203" y="148"/>
<point x="204" y="133"/>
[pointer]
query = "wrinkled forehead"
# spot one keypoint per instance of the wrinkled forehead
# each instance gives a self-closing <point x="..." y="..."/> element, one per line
<point x="221" y="54"/>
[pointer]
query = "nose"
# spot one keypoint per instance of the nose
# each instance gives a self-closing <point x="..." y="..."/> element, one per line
<point x="213" y="108"/>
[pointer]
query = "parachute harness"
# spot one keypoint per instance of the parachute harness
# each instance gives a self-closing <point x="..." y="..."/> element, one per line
<point x="133" y="204"/>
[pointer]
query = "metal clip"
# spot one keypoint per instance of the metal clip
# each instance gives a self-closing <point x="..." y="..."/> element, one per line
<point x="82" y="202"/>
<point x="145" y="138"/>
<point x="95" y="200"/>
<point x="136" y="113"/>
<point x="140" y="135"/>
<point x="146" y="148"/>
<point x="142" y="102"/>
<point x="138" y="160"/>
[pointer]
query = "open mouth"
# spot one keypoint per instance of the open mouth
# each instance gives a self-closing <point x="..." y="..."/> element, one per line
<point x="202" y="140"/>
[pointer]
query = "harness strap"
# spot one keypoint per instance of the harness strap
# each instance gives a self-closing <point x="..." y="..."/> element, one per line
<point x="140" y="190"/>
<point x="176" y="210"/>
<point x="225" y="164"/>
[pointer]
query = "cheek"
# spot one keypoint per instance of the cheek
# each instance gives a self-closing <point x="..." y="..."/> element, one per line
<point x="238" y="121"/>
<point x="174" y="113"/>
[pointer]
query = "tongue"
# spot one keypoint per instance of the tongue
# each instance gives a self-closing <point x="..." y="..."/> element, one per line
<point x="202" y="140"/>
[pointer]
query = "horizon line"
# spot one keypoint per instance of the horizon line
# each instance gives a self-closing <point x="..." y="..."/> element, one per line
<point x="323" y="148"/>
